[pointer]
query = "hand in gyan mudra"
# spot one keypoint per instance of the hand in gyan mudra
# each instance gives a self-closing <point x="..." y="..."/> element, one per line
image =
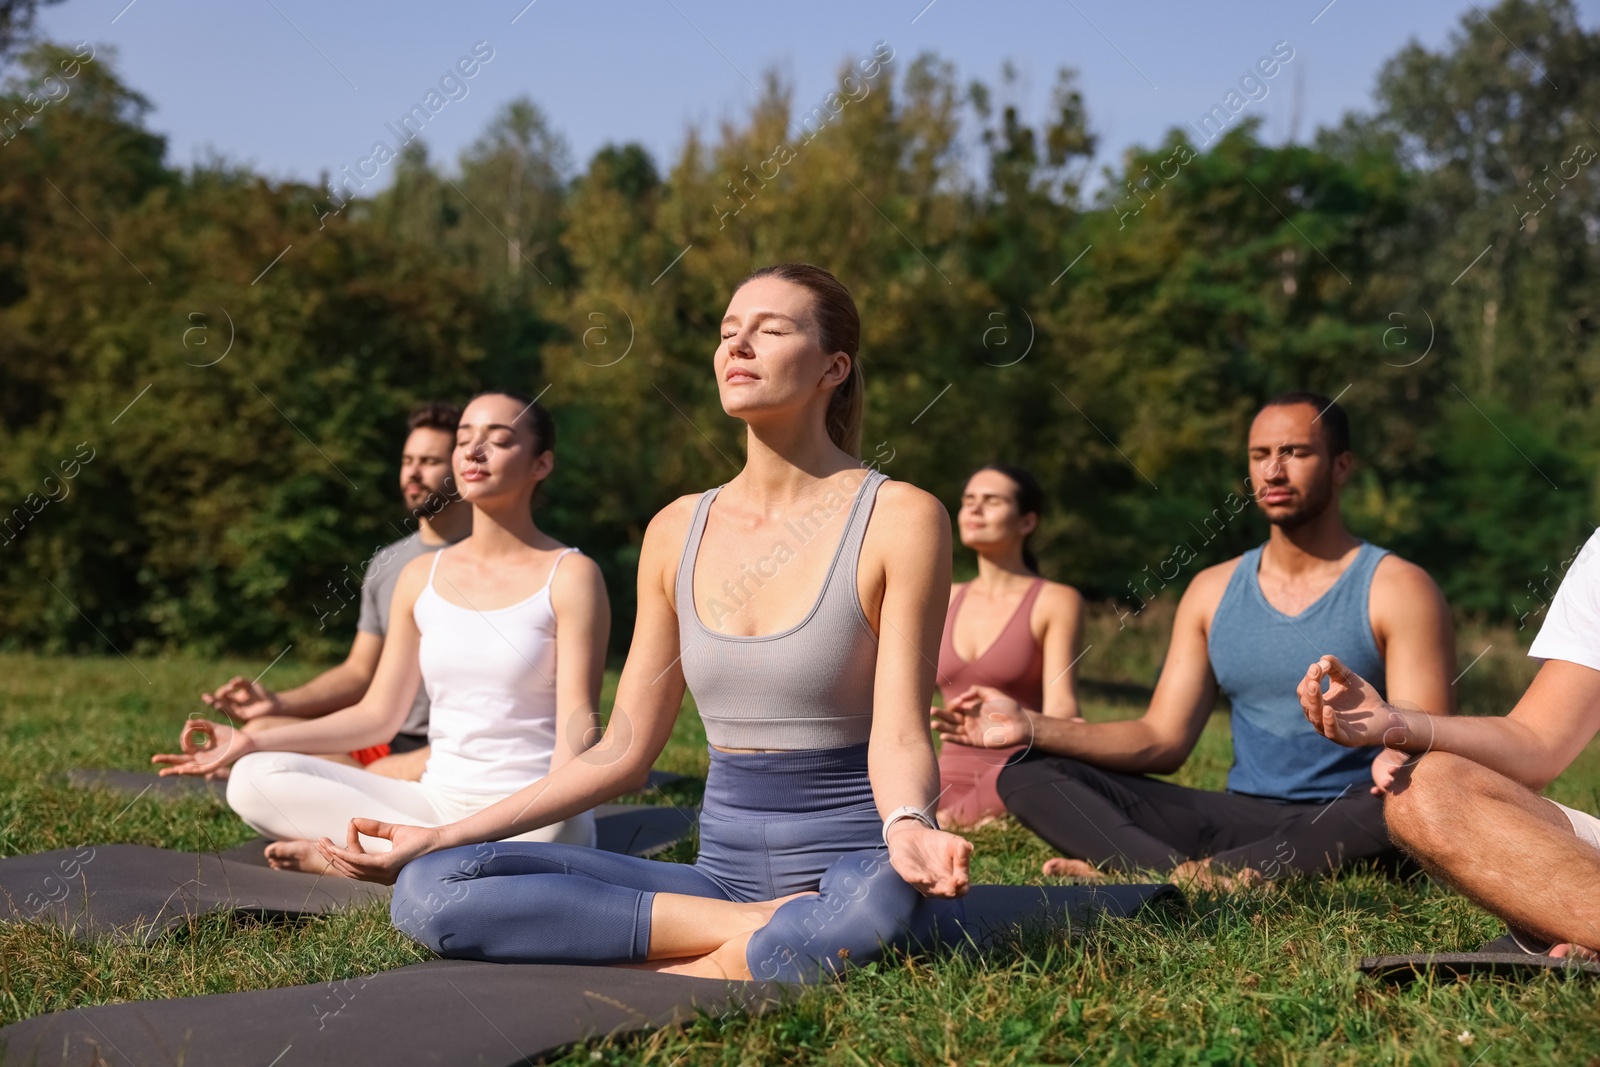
<point x="1351" y="712"/>
<point x="207" y="747"/>
<point x="984" y="717"/>
<point x="369" y="864"/>
<point x="242" y="699"/>
<point x="933" y="862"/>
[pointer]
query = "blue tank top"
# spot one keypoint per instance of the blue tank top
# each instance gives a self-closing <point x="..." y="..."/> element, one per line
<point x="1259" y="656"/>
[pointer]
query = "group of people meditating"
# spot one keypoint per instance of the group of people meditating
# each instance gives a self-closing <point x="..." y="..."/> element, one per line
<point x="457" y="753"/>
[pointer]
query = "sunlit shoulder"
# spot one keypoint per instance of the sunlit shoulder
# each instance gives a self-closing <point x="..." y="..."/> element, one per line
<point x="1205" y="592"/>
<point x="910" y="509"/>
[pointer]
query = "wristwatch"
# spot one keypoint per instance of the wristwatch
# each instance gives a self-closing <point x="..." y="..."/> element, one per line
<point x="907" y="812"/>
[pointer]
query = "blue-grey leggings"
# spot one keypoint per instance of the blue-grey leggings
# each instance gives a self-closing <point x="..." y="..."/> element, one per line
<point x="772" y="823"/>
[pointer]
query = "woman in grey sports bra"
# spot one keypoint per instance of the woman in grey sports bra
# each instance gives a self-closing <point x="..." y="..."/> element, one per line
<point x="809" y="648"/>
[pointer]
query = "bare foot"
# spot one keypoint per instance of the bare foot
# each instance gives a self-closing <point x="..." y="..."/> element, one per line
<point x="296" y="856"/>
<point x="1063" y="867"/>
<point x="1247" y="877"/>
<point x="658" y="965"/>
<point x="955" y="824"/>
<point x="1577" y="952"/>
<point x="1200" y="874"/>
<point x="763" y="910"/>
<point x="726" y="962"/>
<point x="728" y="959"/>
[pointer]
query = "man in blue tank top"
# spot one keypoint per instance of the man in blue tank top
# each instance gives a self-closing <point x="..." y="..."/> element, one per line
<point x="1295" y="801"/>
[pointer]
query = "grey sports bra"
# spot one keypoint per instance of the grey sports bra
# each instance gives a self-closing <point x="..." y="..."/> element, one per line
<point x="809" y="686"/>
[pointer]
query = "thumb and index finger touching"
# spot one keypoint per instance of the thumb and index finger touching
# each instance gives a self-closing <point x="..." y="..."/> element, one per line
<point x="371" y="828"/>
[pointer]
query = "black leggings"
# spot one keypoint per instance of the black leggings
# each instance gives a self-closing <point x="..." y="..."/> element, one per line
<point x="1123" y="822"/>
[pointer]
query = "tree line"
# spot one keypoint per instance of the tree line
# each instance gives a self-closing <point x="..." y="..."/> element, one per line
<point x="237" y="356"/>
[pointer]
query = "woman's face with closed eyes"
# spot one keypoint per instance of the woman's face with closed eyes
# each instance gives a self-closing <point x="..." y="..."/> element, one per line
<point x="495" y="450"/>
<point x="770" y="356"/>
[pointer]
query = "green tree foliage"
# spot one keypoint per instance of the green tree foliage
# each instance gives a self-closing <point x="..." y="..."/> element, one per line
<point x="16" y="22"/>
<point x="1490" y="444"/>
<point x="234" y="368"/>
<point x="1433" y="263"/>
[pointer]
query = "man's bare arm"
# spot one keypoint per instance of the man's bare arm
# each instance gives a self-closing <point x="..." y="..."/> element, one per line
<point x="337" y="687"/>
<point x="246" y="699"/>
<point x="1157" y="742"/>
<point x="1161" y="739"/>
<point x="1554" y="720"/>
<point x="1412" y="621"/>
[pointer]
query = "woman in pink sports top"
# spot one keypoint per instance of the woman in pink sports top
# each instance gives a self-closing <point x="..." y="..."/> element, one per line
<point x="1007" y="628"/>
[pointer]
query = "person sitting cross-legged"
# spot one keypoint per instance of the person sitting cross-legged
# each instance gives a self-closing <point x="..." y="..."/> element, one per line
<point x="1021" y="634"/>
<point x="505" y="632"/>
<point x="1466" y="803"/>
<point x="800" y="602"/>
<point x="1295" y="801"/>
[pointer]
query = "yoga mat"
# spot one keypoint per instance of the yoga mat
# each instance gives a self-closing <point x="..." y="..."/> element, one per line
<point x="641" y="829"/>
<point x="140" y="783"/>
<point x="995" y="911"/>
<point x="141" y="891"/>
<point x="441" y="1012"/>
<point x="661" y="778"/>
<point x="135" y="784"/>
<point x="1517" y="966"/>
<point x="138" y="891"/>
<point x="630" y="829"/>
<point x="457" y="1012"/>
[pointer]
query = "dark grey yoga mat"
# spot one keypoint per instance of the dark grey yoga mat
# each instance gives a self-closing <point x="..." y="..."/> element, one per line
<point x="138" y="783"/>
<point x="1517" y="966"/>
<point x="455" y="1012"/>
<point x="631" y="829"/>
<point x="442" y="1012"/>
<point x="641" y="829"/>
<point x="994" y="912"/>
<point x="141" y="891"/>
<point x="135" y="784"/>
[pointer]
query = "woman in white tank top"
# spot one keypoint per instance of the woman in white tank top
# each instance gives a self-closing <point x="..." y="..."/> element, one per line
<point x="507" y="633"/>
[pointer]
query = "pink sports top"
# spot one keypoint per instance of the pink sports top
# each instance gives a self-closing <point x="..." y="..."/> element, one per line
<point x="1013" y="664"/>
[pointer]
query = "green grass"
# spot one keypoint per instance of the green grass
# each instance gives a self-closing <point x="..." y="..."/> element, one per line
<point x="1259" y="978"/>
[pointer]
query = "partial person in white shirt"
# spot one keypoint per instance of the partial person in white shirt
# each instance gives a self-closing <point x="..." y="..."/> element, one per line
<point x="507" y="634"/>
<point x="1466" y="802"/>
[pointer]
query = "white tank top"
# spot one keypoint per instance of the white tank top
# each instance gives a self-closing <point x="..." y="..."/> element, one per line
<point x="491" y="682"/>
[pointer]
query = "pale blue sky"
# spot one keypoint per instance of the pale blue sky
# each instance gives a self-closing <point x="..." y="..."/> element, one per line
<point x="294" y="87"/>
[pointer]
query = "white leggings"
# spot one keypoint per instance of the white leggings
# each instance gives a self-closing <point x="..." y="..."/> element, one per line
<point x="289" y="796"/>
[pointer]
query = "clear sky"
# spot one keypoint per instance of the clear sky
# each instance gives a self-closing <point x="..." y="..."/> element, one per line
<point x="295" y="87"/>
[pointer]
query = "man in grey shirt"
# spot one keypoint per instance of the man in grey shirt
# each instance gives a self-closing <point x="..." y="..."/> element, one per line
<point x="440" y="519"/>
